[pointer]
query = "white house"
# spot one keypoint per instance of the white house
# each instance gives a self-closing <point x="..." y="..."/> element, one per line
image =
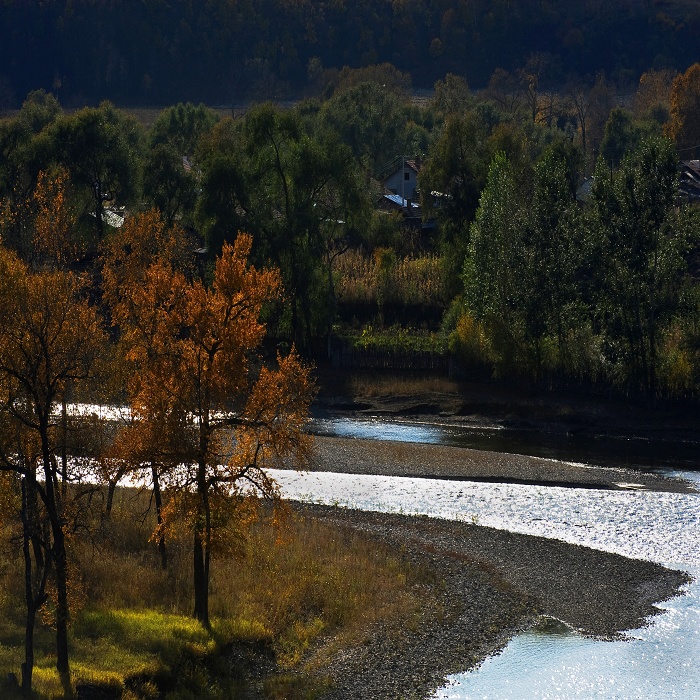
<point x="404" y="180"/>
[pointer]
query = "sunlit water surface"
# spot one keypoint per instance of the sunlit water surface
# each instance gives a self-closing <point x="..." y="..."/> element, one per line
<point x="655" y="663"/>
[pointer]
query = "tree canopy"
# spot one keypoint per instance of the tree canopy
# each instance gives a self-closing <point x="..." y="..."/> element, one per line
<point x="154" y="52"/>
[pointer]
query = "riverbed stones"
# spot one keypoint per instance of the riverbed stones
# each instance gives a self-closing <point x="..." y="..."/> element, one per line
<point x="389" y="458"/>
<point x="489" y="584"/>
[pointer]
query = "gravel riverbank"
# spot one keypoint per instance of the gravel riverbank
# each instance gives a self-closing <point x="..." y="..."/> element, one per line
<point x="388" y="458"/>
<point x="486" y="584"/>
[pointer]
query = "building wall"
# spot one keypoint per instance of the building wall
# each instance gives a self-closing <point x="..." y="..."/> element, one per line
<point x="398" y="183"/>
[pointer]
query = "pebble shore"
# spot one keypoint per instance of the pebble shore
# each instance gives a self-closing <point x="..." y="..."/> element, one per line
<point x="389" y="458"/>
<point x="488" y="584"/>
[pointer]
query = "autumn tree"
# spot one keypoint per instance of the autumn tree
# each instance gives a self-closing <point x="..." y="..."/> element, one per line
<point x="126" y="256"/>
<point x="203" y="396"/>
<point x="504" y="90"/>
<point x="652" y="99"/>
<point x="56" y="243"/>
<point x="49" y="336"/>
<point x="590" y="105"/>
<point x="684" y="124"/>
<point x="531" y="77"/>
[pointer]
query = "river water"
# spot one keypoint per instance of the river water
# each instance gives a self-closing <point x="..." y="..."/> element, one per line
<point x="605" y="450"/>
<point x="656" y="662"/>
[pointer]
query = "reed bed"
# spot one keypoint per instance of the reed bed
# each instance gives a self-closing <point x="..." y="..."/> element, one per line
<point x="383" y="278"/>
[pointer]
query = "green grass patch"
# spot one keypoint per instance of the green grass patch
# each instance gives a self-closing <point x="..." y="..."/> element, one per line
<point x="398" y="339"/>
<point x="297" y="592"/>
<point x="128" y="641"/>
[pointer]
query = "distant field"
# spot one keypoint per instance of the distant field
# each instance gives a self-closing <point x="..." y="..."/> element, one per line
<point x="145" y="115"/>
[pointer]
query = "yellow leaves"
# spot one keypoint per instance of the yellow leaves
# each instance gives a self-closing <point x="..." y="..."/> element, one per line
<point x="684" y="123"/>
<point x="275" y="416"/>
<point x="195" y="355"/>
<point x="12" y="275"/>
<point x="232" y="518"/>
<point x="470" y="339"/>
<point x="10" y="498"/>
<point x="48" y="332"/>
<point x="48" y="217"/>
<point x="234" y="276"/>
<point x="54" y="223"/>
<point x="179" y="328"/>
<point x="143" y="241"/>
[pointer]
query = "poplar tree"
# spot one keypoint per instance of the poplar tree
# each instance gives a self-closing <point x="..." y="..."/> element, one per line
<point x="49" y="336"/>
<point x="204" y="399"/>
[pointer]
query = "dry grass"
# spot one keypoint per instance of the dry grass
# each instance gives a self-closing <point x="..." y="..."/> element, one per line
<point x="395" y="385"/>
<point x="317" y="580"/>
<point x="301" y="587"/>
<point x="383" y="278"/>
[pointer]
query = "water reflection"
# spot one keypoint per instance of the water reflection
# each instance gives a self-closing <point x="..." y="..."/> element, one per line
<point x="636" y="453"/>
<point x="658" y="661"/>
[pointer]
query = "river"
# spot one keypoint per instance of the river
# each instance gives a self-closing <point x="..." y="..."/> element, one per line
<point x="552" y="663"/>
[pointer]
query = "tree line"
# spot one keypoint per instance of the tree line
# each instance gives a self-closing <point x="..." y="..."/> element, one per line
<point x="189" y="270"/>
<point x="152" y="52"/>
<point x="305" y="181"/>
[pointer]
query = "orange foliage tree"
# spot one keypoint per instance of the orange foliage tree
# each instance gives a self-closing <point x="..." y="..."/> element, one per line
<point x="684" y="124"/>
<point x="49" y="336"/>
<point x="126" y="256"/>
<point x="204" y="400"/>
<point x="54" y="241"/>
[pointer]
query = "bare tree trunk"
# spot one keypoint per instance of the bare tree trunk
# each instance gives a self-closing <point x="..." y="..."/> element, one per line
<point x="62" y="612"/>
<point x="28" y="665"/>
<point x="111" y="488"/>
<point x="64" y="448"/>
<point x="35" y="577"/>
<point x="201" y="584"/>
<point x="60" y="562"/>
<point x="157" y="496"/>
<point x="202" y="540"/>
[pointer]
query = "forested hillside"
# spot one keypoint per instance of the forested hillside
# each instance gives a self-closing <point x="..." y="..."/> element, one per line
<point x="225" y="51"/>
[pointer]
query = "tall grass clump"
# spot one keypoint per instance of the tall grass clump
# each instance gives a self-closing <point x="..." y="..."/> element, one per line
<point x="385" y="278"/>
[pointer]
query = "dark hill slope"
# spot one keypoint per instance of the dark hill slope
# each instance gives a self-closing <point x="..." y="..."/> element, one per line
<point x="223" y="51"/>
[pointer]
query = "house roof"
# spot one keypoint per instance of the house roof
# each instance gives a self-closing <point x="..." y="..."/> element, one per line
<point x="402" y="165"/>
<point x="583" y="193"/>
<point x="113" y="217"/>
<point x="689" y="183"/>
<point x="400" y="201"/>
